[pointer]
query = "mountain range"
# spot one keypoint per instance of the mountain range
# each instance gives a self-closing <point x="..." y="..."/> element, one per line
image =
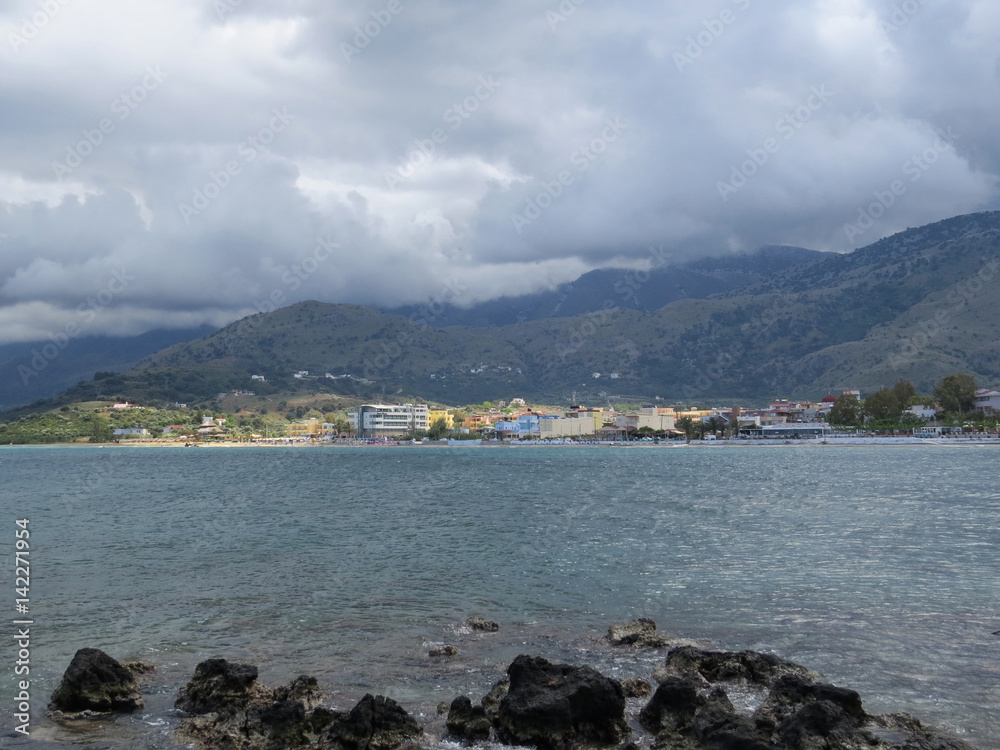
<point x="779" y="322"/>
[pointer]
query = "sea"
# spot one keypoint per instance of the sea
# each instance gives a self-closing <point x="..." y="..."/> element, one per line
<point x="878" y="567"/>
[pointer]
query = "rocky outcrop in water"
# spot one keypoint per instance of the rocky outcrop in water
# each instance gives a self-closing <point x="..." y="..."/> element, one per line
<point x="641" y="632"/>
<point x="483" y="625"/>
<point x="230" y="710"/>
<point x="557" y="705"/>
<point x="95" y="682"/>
<point x="691" y="709"/>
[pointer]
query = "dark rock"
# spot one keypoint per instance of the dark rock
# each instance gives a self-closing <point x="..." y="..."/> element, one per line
<point x="637" y="687"/>
<point x="217" y="686"/>
<point x="96" y="682"/>
<point x="748" y="666"/>
<point x="641" y="632"/>
<point x="484" y="625"/>
<point x="467" y="721"/>
<point x="673" y="705"/>
<point x="719" y="727"/>
<point x="555" y="705"/>
<point x="816" y="721"/>
<point x="791" y="691"/>
<point x="376" y="723"/>
<point x="443" y="651"/>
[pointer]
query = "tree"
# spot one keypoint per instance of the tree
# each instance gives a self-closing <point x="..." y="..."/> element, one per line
<point x="439" y="428"/>
<point x="883" y="406"/>
<point x="686" y="425"/>
<point x="905" y="392"/>
<point x="957" y="393"/>
<point x="846" y="410"/>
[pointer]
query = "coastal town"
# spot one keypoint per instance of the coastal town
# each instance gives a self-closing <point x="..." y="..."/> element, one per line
<point x="897" y="412"/>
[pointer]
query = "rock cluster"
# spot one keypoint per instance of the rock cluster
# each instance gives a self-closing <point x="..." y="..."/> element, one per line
<point x="230" y="710"/>
<point x="541" y="704"/>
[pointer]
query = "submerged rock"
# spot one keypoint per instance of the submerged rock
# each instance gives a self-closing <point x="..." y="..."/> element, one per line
<point x="96" y="682"/>
<point x="556" y="705"/>
<point x="641" y="632"/>
<point x="482" y="624"/>
<point x="445" y="650"/>
<point x="747" y="666"/>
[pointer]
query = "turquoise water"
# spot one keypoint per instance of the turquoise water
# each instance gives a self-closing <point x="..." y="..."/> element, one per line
<point x="875" y="566"/>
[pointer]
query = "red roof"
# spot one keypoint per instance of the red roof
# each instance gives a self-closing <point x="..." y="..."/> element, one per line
<point x="829" y="399"/>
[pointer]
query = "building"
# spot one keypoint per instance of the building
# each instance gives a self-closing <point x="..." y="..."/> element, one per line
<point x="131" y="432"/>
<point x="389" y="420"/>
<point x="791" y="430"/>
<point x="523" y="426"/>
<point x="304" y="428"/>
<point x="435" y="415"/>
<point x="924" y="412"/>
<point x="988" y="400"/>
<point x="577" y="423"/>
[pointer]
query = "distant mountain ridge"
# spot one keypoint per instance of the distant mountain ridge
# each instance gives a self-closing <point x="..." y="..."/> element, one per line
<point x="646" y="290"/>
<point x="918" y="305"/>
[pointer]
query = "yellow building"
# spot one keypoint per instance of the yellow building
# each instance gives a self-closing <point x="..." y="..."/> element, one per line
<point x="435" y="414"/>
<point x="305" y="428"/>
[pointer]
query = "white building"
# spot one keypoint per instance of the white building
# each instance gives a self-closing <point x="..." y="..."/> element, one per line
<point x="924" y="412"/>
<point x="389" y="420"/>
<point x="987" y="398"/>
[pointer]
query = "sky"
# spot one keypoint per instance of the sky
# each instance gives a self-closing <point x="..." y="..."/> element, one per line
<point x="170" y="164"/>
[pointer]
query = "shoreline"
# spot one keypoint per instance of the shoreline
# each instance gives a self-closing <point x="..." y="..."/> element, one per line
<point x="826" y="442"/>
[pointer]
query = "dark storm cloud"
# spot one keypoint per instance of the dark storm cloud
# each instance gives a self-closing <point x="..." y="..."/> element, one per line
<point x="220" y="155"/>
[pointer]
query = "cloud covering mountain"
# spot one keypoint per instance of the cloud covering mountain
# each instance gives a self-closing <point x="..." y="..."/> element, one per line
<point x="174" y="164"/>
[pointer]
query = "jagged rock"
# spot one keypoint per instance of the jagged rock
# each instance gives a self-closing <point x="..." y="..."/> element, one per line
<point x="467" y="721"/>
<point x="641" y="632"/>
<point x="791" y="691"/>
<point x="673" y="705"/>
<point x="748" y="666"/>
<point x="482" y="624"/>
<point x="637" y="687"/>
<point x="303" y="688"/>
<point x="717" y="725"/>
<point x="555" y="705"/>
<point x="443" y="651"/>
<point x="492" y="700"/>
<point x="96" y="682"/>
<point x="376" y="723"/>
<point x="217" y="686"/>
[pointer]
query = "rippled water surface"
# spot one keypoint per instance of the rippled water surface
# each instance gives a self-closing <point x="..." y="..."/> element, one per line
<point x="878" y="567"/>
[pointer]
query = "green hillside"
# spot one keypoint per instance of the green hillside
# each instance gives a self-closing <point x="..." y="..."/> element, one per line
<point x="918" y="305"/>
